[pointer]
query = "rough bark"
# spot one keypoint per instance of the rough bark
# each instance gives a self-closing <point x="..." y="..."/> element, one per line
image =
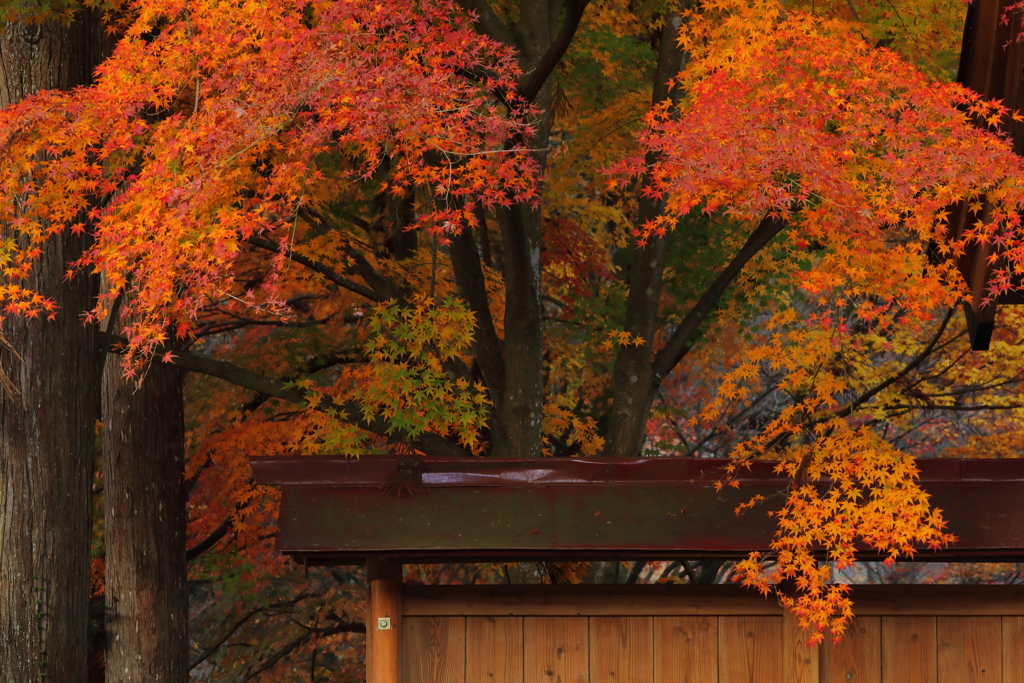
<point x="524" y="380"/>
<point x="488" y="348"/>
<point x="520" y="235"/>
<point x="631" y="376"/>
<point x="541" y="35"/>
<point x="143" y="468"/>
<point x="47" y="430"/>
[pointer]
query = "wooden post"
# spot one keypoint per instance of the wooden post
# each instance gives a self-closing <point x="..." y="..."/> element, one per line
<point x="383" y="620"/>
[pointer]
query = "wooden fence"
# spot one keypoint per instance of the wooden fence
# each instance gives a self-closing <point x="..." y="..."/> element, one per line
<point x="683" y="634"/>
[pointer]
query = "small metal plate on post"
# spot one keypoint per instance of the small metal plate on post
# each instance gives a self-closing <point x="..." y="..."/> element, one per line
<point x="383" y="623"/>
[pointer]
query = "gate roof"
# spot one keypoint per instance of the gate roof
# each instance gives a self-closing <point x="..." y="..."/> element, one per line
<point x="338" y="511"/>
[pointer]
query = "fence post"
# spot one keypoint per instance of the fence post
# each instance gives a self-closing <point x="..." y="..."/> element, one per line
<point x="383" y="620"/>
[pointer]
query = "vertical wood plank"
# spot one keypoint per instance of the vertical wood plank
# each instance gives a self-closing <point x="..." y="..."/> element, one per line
<point x="1013" y="649"/>
<point x="857" y="658"/>
<point x="434" y="650"/>
<point x="494" y="649"/>
<point x="685" y="649"/>
<point x="555" y="650"/>
<point x="968" y="649"/>
<point x="799" y="662"/>
<point x="750" y="649"/>
<point x="383" y="645"/>
<point x="621" y="650"/>
<point x="908" y="650"/>
<point x="367" y="620"/>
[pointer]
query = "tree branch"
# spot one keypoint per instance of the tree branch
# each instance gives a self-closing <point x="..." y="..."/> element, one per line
<point x="349" y="412"/>
<point x="631" y="374"/>
<point x="488" y="23"/>
<point x="208" y="542"/>
<point x="318" y="267"/>
<point x="278" y="656"/>
<point x="680" y="343"/>
<point x="907" y="369"/>
<point x="207" y="651"/>
<point x="573" y="13"/>
<point x="488" y="348"/>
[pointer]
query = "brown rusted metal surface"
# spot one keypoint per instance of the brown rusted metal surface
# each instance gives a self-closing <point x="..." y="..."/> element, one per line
<point x="377" y="471"/>
<point x="337" y="510"/>
<point x="991" y="64"/>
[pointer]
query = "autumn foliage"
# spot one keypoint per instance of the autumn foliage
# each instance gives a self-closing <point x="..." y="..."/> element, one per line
<point x="329" y="204"/>
<point x="211" y="123"/>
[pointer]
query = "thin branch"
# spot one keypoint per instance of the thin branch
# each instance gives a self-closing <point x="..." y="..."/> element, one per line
<point x="342" y="627"/>
<point x="668" y="570"/>
<point x="208" y="542"/>
<point x="318" y="267"/>
<point x="207" y="651"/>
<point x="971" y="408"/>
<point x="681" y="341"/>
<point x="634" y="574"/>
<point x="278" y="656"/>
<point x="907" y="369"/>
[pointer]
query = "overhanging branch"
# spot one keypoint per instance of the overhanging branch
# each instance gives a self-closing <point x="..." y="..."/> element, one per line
<point x="681" y="340"/>
<point x="349" y="412"/>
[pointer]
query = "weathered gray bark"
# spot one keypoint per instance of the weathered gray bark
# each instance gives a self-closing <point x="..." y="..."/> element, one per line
<point x="47" y="432"/>
<point x="143" y="468"/>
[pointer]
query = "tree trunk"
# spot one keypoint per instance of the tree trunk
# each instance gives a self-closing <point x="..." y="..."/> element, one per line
<point x="143" y="467"/>
<point x="632" y="376"/>
<point x="47" y="430"/>
<point x="520" y="224"/>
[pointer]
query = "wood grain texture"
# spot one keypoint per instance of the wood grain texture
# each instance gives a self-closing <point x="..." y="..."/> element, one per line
<point x="660" y="600"/>
<point x="383" y="664"/>
<point x="938" y="600"/>
<point x="685" y="649"/>
<point x="908" y="650"/>
<point x="653" y="600"/>
<point x="1013" y="649"/>
<point x="858" y="657"/>
<point x="556" y="650"/>
<point x="750" y="649"/>
<point x="494" y="649"/>
<point x="968" y="649"/>
<point x="621" y="650"/>
<point x="434" y="650"/>
<point x="800" y="663"/>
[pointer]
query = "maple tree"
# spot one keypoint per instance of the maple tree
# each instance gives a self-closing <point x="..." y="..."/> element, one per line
<point x="417" y="229"/>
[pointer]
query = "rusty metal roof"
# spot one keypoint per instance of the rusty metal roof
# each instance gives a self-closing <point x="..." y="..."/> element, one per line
<point x="335" y="510"/>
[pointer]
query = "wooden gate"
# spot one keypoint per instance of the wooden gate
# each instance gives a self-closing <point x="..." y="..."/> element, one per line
<point x="718" y="634"/>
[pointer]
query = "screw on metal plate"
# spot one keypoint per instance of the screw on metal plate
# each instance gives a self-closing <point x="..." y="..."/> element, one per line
<point x="383" y="623"/>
